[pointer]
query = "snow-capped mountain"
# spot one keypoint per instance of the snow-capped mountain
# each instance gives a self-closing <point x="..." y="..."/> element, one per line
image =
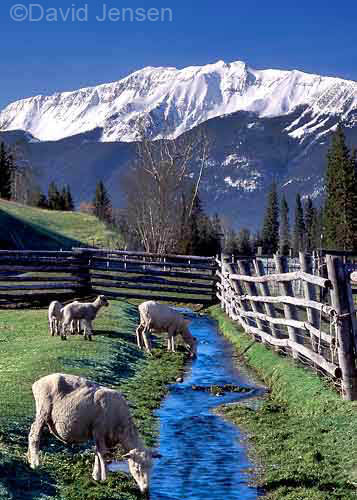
<point x="169" y="102"/>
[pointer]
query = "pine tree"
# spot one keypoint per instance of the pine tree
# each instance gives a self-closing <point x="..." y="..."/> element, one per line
<point x="310" y="223"/>
<point x="68" y="199"/>
<point x="6" y="167"/>
<point x="270" y="232"/>
<point x="54" y="197"/>
<point x="102" y="204"/>
<point x="340" y="210"/>
<point x="299" y="227"/>
<point x="284" y="241"/>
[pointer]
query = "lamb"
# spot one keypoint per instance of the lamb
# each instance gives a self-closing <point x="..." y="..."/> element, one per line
<point x="82" y="311"/>
<point x="161" y="318"/>
<point x="55" y="319"/>
<point x="76" y="410"/>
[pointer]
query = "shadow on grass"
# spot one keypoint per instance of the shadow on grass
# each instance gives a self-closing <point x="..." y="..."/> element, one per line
<point x="119" y="365"/>
<point x="18" y="481"/>
<point x="19" y="234"/>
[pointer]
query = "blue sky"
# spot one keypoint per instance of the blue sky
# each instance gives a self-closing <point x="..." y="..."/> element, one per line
<point x="45" y="57"/>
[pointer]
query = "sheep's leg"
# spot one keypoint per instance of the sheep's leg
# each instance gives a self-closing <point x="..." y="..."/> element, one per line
<point x="147" y="339"/>
<point x="100" y="468"/>
<point x="34" y="440"/>
<point x="64" y="329"/>
<point x="170" y="340"/>
<point x="96" y="469"/>
<point x="50" y="324"/>
<point x="139" y="338"/>
<point x="87" y="329"/>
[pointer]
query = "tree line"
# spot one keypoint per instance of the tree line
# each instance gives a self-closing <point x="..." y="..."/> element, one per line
<point x="163" y="211"/>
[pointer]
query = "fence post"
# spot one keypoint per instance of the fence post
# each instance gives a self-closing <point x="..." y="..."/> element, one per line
<point x="289" y="310"/>
<point x="265" y="291"/>
<point x="309" y="294"/>
<point x="251" y="288"/>
<point x="83" y="275"/>
<point x="340" y="302"/>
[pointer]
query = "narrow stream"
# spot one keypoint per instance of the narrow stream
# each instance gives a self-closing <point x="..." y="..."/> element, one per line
<point x="202" y="456"/>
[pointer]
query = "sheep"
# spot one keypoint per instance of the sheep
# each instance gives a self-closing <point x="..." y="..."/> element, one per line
<point x="76" y="410"/>
<point x="54" y="317"/>
<point x="162" y="318"/>
<point x="85" y="312"/>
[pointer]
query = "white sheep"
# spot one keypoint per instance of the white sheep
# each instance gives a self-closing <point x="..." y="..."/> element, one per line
<point x="54" y="317"/>
<point x="161" y="318"/>
<point x="85" y="312"/>
<point x="75" y="410"/>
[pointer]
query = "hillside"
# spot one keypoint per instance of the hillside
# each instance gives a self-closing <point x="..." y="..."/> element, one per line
<point x="24" y="227"/>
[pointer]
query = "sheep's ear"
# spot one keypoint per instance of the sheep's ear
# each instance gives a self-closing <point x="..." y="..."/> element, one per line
<point x="130" y="454"/>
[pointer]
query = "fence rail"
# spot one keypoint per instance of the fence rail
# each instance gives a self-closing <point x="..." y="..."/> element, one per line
<point x="28" y="275"/>
<point x="290" y="319"/>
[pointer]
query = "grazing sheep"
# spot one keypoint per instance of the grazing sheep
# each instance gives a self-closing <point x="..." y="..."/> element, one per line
<point x="76" y="410"/>
<point x="161" y="318"/>
<point x="54" y="317"/>
<point x="84" y="312"/>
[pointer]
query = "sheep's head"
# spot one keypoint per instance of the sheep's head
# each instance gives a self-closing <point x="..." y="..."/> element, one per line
<point x="140" y="461"/>
<point x="103" y="301"/>
<point x="190" y="341"/>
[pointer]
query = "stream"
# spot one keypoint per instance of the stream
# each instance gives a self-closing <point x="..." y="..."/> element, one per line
<point x="202" y="454"/>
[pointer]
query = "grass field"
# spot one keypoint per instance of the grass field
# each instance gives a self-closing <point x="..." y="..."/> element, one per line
<point x="112" y="358"/>
<point x="303" y="434"/>
<point x="30" y="228"/>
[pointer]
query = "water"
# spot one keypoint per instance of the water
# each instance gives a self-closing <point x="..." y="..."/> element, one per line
<point x="202" y="457"/>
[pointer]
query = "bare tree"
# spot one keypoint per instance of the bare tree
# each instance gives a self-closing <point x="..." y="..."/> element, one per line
<point x="161" y="187"/>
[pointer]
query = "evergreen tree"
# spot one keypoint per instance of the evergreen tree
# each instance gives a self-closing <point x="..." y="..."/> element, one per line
<point x="270" y="232"/>
<point x="340" y="210"/>
<point x="284" y="241"/>
<point x="6" y="167"/>
<point x="54" y="197"/>
<point x="299" y="227"/>
<point x="68" y="200"/>
<point x="310" y="224"/>
<point x="102" y="204"/>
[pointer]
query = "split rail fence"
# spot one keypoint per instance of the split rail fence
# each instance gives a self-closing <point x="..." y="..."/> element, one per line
<point x="41" y="276"/>
<point x="316" y="326"/>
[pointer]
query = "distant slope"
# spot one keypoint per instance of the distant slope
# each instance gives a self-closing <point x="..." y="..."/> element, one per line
<point x="23" y="227"/>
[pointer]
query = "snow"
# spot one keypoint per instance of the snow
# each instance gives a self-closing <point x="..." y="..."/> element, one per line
<point x="173" y="101"/>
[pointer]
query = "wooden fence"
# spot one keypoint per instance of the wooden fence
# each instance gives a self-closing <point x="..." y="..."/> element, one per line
<point x="317" y="328"/>
<point x="31" y="276"/>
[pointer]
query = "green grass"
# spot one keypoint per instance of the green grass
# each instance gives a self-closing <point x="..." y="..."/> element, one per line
<point x="304" y="434"/>
<point x="27" y="352"/>
<point x="30" y="228"/>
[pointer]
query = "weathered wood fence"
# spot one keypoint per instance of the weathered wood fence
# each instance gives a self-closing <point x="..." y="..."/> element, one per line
<point x="28" y="276"/>
<point x="317" y="327"/>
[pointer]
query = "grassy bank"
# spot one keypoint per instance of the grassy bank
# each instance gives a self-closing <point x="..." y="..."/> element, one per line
<point x="27" y="353"/>
<point x="304" y="435"/>
<point x="33" y="228"/>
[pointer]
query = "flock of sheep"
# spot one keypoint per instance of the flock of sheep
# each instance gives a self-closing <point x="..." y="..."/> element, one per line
<point x="76" y="409"/>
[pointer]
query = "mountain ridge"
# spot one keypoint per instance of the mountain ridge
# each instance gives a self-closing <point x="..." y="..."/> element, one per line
<point x="171" y="101"/>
